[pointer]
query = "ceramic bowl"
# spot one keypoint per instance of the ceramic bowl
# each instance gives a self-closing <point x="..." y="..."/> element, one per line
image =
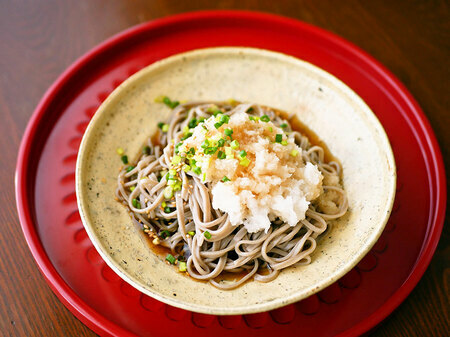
<point x="330" y="108"/>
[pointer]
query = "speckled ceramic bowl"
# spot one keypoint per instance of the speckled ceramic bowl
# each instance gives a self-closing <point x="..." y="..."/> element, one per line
<point x="331" y="109"/>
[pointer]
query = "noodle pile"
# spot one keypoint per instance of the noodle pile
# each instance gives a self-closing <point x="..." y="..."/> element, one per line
<point x="202" y="240"/>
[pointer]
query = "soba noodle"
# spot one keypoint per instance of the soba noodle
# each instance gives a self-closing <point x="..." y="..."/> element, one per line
<point x="181" y="222"/>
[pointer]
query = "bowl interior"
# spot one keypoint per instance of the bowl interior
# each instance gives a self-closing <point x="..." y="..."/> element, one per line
<point x="331" y="109"/>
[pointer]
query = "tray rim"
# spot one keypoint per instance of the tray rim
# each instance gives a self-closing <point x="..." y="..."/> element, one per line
<point x="97" y="322"/>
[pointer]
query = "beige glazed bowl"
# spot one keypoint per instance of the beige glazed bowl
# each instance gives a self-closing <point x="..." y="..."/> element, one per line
<point x="331" y="109"/>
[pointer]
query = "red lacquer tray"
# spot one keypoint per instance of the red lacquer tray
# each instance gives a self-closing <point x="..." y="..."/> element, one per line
<point x="48" y="212"/>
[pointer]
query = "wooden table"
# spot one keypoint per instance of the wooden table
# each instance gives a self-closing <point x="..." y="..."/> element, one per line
<point x="39" y="39"/>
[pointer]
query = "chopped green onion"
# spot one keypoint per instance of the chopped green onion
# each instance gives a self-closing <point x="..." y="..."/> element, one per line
<point x="228" y="132"/>
<point x="146" y="150"/>
<point x="234" y="144"/>
<point x="192" y="162"/>
<point x="270" y="129"/>
<point x="211" y="150"/>
<point x="171" y="104"/>
<point x="221" y="142"/>
<point x="130" y="168"/>
<point x="136" y="203"/>
<point x="132" y="188"/>
<point x="165" y="128"/>
<point x="168" y="192"/>
<point x="228" y="151"/>
<point x="251" y="118"/>
<point x="160" y="125"/>
<point x="159" y="99"/>
<point x="207" y="235"/>
<point x="119" y="151"/>
<point x="167" y="209"/>
<point x="284" y="142"/>
<point x="225" y="179"/>
<point x="250" y="109"/>
<point x="216" y="112"/>
<point x="171" y="182"/>
<point x="244" y="162"/>
<point x="191" y="151"/>
<point x="164" y="234"/>
<point x="177" y="186"/>
<point x="182" y="266"/>
<point x="176" y="160"/>
<point x="124" y="159"/>
<point x="243" y="154"/>
<point x="186" y="136"/>
<point x="177" y="147"/>
<point x="224" y="119"/>
<point x="217" y="125"/>
<point x="192" y="123"/>
<point x="221" y="155"/>
<point x="163" y="204"/>
<point x="278" y="138"/>
<point x="185" y="129"/>
<point x="265" y="119"/>
<point x="170" y="258"/>
<point x="197" y="170"/>
<point x="284" y="125"/>
<point x="294" y="153"/>
<point x="191" y="233"/>
<point x="172" y="172"/>
<point x="204" y="177"/>
<point x="186" y="168"/>
<point x="205" y="144"/>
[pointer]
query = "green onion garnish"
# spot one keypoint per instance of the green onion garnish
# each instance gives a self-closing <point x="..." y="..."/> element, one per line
<point x="146" y="150"/>
<point x="160" y="125"/>
<point x="192" y="123"/>
<point x="270" y="129"/>
<point x="197" y="170"/>
<point x="244" y="162"/>
<point x="124" y="159"/>
<point x="132" y="188"/>
<point x="211" y="150"/>
<point x="278" y="138"/>
<point x="165" y="128"/>
<point x="171" y="104"/>
<point x="177" y="146"/>
<point x="192" y="162"/>
<point x="167" y="209"/>
<point x="251" y="118"/>
<point x="234" y="144"/>
<point x="221" y="155"/>
<point x="294" y="153"/>
<point x="221" y="142"/>
<point x="205" y="144"/>
<point x="265" y="119"/>
<point x="168" y="192"/>
<point x="191" y="151"/>
<point x="182" y="266"/>
<point x="250" y="109"/>
<point x="284" y="125"/>
<point x="136" y="203"/>
<point x="129" y="168"/>
<point x="284" y="142"/>
<point x="172" y="172"/>
<point x="217" y="125"/>
<point x="186" y="168"/>
<point x="191" y="233"/>
<point x="164" y="234"/>
<point x="228" y="132"/>
<point x="225" y="179"/>
<point x="224" y="119"/>
<point x="243" y="154"/>
<point x="119" y="151"/>
<point x="170" y="258"/>
<point x="176" y="160"/>
<point x="207" y="235"/>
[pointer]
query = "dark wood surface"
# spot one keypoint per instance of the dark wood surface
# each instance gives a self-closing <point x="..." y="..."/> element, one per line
<point x="39" y="39"/>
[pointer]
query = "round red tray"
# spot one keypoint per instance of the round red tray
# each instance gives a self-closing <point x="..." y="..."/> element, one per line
<point x="48" y="212"/>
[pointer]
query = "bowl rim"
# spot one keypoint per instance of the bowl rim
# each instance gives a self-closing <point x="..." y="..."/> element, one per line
<point x="259" y="307"/>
